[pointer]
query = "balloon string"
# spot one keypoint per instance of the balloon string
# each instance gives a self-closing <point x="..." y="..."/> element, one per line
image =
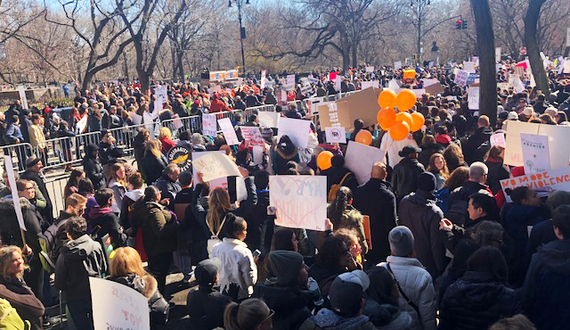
<point x="386" y="150"/>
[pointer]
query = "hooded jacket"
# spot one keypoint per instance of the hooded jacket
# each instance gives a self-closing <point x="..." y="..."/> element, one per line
<point x="93" y="168"/>
<point x="292" y="306"/>
<point x="386" y="316"/>
<point x="105" y="218"/>
<point x="419" y="212"/>
<point x="158" y="228"/>
<point x="481" y="135"/>
<point x="405" y="176"/>
<point x="286" y="151"/>
<point x="21" y="297"/>
<point x="477" y="301"/>
<point x="329" y="320"/>
<point x="79" y="259"/>
<point x="206" y="307"/>
<point x="547" y="286"/>
<point x="147" y="285"/>
<point x="130" y="198"/>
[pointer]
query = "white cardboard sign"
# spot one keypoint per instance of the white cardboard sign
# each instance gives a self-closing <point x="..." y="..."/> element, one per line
<point x="335" y="134"/>
<point x="215" y="165"/>
<point x="209" y="124"/>
<point x="535" y="153"/>
<point x="119" y="307"/>
<point x="300" y="201"/>
<point x="228" y="130"/>
<point x="14" y="190"/>
<point x="360" y="158"/>
<point x="268" y="118"/>
<point x="296" y="129"/>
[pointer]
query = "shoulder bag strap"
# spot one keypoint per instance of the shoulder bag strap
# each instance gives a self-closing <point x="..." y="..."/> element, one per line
<point x="344" y="178"/>
<point x="221" y="225"/>
<point x="411" y="303"/>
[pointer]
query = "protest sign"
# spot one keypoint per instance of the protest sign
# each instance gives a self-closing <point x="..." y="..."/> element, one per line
<point x="359" y="159"/>
<point x="474" y="78"/>
<point x="497" y="54"/>
<point x="338" y="82"/>
<point x="297" y="130"/>
<point x="23" y="98"/>
<point x="461" y="77"/>
<point x="558" y="137"/>
<point x="409" y="74"/>
<point x="473" y="97"/>
<point x="220" y="182"/>
<point x="397" y="65"/>
<point x="252" y="135"/>
<point x="394" y="85"/>
<point x="118" y="307"/>
<point x="177" y="122"/>
<point x="268" y="118"/>
<point x="215" y="165"/>
<point x="263" y="79"/>
<point x="335" y="134"/>
<point x="314" y="102"/>
<point x="290" y="82"/>
<point x="228" y="130"/>
<point x="535" y="153"/>
<point x="257" y="155"/>
<point x="498" y="139"/>
<point x="180" y="156"/>
<point x="209" y="124"/>
<point x="300" y="201"/>
<point x="434" y="89"/>
<point x="419" y="92"/>
<point x="543" y="183"/>
<point x="362" y="104"/>
<point x="469" y="67"/>
<point x="82" y="123"/>
<point x="368" y="84"/>
<point x="369" y="69"/>
<point x="14" y="190"/>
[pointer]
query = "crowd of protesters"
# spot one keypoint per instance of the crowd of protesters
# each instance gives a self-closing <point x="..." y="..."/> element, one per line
<point x="442" y="235"/>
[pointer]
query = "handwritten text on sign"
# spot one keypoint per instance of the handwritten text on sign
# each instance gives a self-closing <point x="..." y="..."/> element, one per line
<point x="215" y="165"/>
<point x="301" y="202"/>
<point x="123" y="307"/>
<point x="543" y="183"/>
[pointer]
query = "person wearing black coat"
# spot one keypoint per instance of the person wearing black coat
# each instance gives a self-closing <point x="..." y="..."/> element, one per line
<point x="482" y="134"/>
<point x="547" y="285"/>
<point x="419" y="212"/>
<point x="285" y="151"/>
<point x="337" y="172"/>
<point x="92" y="167"/>
<point x="480" y="298"/>
<point x="152" y="166"/>
<point x="376" y="199"/>
<point x="406" y="172"/>
<point x="34" y="173"/>
<point x="258" y="214"/>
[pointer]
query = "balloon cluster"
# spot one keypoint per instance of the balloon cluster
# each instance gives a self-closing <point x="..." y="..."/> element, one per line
<point x="400" y="124"/>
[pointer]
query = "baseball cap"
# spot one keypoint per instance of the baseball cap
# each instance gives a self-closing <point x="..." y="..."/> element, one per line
<point x="347" y="291"/>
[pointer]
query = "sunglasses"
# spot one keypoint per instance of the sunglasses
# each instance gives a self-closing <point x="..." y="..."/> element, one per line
<point x="271" y="313"/>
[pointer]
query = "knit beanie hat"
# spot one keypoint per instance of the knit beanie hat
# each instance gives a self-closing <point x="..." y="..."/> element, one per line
<point x="401" y="241"/>
<point x="427" y="182"/>
<point x="285" y="265"/>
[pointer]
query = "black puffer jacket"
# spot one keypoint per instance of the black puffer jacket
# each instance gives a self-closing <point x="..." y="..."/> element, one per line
<point x="475" y="302"/>
<point x="93" y="168"/>
<point x="10" y="229"/>
<point x="291" y="306"/>
<point x="147" y="285"/>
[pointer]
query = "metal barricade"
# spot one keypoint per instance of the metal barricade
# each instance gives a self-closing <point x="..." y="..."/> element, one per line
<point x="18" y="152"/>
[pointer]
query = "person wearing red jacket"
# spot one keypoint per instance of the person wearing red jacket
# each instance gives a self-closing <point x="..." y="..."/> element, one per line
<point x="218" y="105"/>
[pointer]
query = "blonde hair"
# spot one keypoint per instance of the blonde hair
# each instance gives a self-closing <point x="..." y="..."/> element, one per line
<point x="126" y="261"/>
<point x="6" y="259"/>
<point x="219" y="200"/>
<point x="153" y="147"/>
<point x="164" y="132"/>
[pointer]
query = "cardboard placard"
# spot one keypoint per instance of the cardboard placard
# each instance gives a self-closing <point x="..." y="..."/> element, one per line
<point x="228" y="131"/>
<point x="335" y="134"/>
<point x="268" y="118"/>
<point x="214" y="165"/>
<point x="360" y="105"/>
<point x="14" y="189"/>
<point x="252" y="135"/>
<point x="473" y="97"/>
<point x="397" y="65"/>
<point x="297" y="130"/>
<point x="498" y="139"/>
<point x="434" y="89"/>
<point x="359" y="159"/>
<point x="543" y="183"/>
<point x="535" y="153"/>
<point x="461" y="77"/>
<point x="369" y="84"/>
<point x="121" y="307"/>
<point x="369" y="69"/>
<point x="300" y="201"/>
<point x="209" y="124"/>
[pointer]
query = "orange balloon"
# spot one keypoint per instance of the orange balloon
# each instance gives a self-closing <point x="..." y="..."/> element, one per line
<point x="399" y="131"/>
<point x="404" y="116"/>
<point x="364" y="137"/>
<point x="387" y="99"/>
<point x="418" y="121"/>
<point x="324" y="160"/>
<point x="405" y="100"/>
<point x="386" y="118"/>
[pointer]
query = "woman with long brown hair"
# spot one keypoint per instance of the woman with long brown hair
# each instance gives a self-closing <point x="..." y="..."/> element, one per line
<point x="438" y="166"/>
<point x="455" y="180"/>
<point x="497" y="170"/>
<point x="153" y="162"/>
<point x="454" y="157"/>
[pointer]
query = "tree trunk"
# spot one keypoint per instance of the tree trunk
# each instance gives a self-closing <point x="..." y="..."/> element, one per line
<point x="486" y="45"/>
<point x="87" y="80"/>
<point x="532" y="48"/>
<point x="354" y="54"/>
<point x="180" y="62"/>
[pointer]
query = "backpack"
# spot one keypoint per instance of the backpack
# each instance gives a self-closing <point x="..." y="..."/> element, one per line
<point x="457" y="212"/>
<point x="336" y="187"/>
<point x="49" y="245"/>
<point x="9" y="318"/>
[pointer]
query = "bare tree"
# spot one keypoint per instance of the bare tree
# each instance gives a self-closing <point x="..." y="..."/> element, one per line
<point x="486" y="46"/>
<point x="102" y="32"/>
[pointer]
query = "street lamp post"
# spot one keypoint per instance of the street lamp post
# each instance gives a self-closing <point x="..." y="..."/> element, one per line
<point x="241" y="31"/>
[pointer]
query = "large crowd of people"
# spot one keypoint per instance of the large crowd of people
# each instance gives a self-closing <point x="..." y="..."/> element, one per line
<point x="445" y="250"/>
